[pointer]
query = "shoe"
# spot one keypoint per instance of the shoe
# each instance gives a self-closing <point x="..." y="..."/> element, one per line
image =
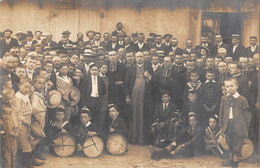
<point x="227" y="163"/>
<point x="156" y="156"/>
<point x="40" y="156"/>
<point x="37" y="163"/>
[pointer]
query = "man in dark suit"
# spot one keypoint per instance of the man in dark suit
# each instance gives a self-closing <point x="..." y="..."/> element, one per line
<point x="7" y="42"/>
<point x="167" y="44"/>
<point x="20" y="38"/>
<point x="220" y="44"/>
<point x="253" y="48"/>
<point x="141" y="45"/>
<point x="174" y="47"/>
<point x="91" y="36"/>
<point x="189" y="48"/>
<point x="205" y="43"/>
<point x="106" y="37"/>
<point x="29" y="37"/>
<point x="134" y="38"/>
<point x="65" y="35"/>
<point x="128" y="45"/>
<point x="113" y="45"/>
<point x="38" y="35"/>
<point x="97" y="39"/>
<point x="237" y="49"/>
<point x="158" y="43"/>
<point x="119" y="27"/>
<point x="48" y="41"/>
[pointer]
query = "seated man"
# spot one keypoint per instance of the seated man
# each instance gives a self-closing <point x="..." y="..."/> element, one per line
<point x="189" y="142"/>
<point x="164" y="112"/>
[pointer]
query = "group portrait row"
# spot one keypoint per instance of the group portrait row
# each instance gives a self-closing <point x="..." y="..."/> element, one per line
<point x="103" y="91"/>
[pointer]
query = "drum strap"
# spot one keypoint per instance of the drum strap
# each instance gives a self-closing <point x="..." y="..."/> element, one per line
<point x="64" y="124"/>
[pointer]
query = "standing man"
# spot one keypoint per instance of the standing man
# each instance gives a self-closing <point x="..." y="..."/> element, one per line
<point x="119" y="27"/>
<point x="38" y="37"/>
<point x="138" y="94"/>
<point x="220" y="44"/>
<point x="205" y="43"/>
<point x="7" y="42"/>
<point x="189" y="48"/>
<point x="237" y="49"/>
<point x="106" y="37"/>
<point x="253" y="48"/>
<point x="141" y="45"/>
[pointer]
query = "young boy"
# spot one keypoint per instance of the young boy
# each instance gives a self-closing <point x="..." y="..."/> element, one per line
<point x="212" y="134"/>
<point x="163" y="114"/>
<point x="193" y="85"/>
<point x="209" y="94"/>
<point x="234" y="120"/>
<point x="20" y="71"/>
<point x="117" y="124"/>
<point x="9" y="136"/>
<point x="58" y="125"/>
<point x="24" y="109"/>
<point x="85" y="128"/>
<point x="93" y="92"/>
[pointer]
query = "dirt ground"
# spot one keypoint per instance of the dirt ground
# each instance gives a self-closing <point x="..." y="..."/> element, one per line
<point x="136" y="157"/>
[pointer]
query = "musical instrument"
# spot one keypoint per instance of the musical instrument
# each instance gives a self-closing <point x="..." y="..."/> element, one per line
<point x="64" y="145"/>
<point x="161" y="139"/>
<point x="93" y="146"/>
<point x="36" y="131"/>
<point x="116" y="144"/>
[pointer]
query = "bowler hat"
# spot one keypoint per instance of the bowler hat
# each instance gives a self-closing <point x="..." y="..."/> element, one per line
<point x="73" y="95"/>
<point x="7" y="30"/>
<point x="54" y="99"/>
<point x="167" y="35"/>
<point x="65" y="32"/>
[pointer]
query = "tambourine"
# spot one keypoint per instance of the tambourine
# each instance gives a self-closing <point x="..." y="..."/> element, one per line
<point x="116" y="144"/>
<point x="93" y="146"/>
<point x="64" y="145"/>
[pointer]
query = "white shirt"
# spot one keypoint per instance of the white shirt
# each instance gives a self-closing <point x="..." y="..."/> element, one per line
<point x="113" y="45"/>
<point x="230" y="116"/>
<point x="94" y="92"/>
<point x="97" y="43"/>
<point x="8" y="41"/>
<point x="253" y="48"/>
<point x="234" y="48"/>
<point x="140" y="45"/>
<point x="165" y="106"/>
<point x="154" y="67"/>
<point x="29" y="73"/>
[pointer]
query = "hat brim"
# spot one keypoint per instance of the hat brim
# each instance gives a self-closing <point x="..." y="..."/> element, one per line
<point x="8" y="31"/>
<point x="73" y="88"/>
<point x="52" y="92"/>
<point x="247" y="149"/>
<point x="37" y="131"/>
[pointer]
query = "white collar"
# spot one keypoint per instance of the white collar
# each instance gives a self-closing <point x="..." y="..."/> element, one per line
<point x="236" y="95"/>
<point x="25" y="98"/>
<point x="88" y="124"/>
<point x="208" y="81"/>
<point x="140" y="65"/>
<point x="237" y="75"/>
<point x="220" y="43"/>
<point x="100" y="74"/>
<point x="235" y="45"/>
<point x="92" y="76"/>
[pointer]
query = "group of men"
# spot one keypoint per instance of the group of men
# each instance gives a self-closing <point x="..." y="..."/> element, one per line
<point x="139" y="69"/>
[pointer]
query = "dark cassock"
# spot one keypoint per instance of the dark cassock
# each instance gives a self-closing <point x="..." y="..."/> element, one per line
<point x="139" y="88"/>
<point x="116" y="72"/>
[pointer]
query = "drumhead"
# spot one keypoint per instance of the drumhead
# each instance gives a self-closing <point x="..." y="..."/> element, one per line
<point x="64" y="145"/>
<point x="116" y="144"/>
<point x="93" y="146"/>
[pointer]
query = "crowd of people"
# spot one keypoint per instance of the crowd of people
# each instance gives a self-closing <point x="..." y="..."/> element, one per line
<point x="180" y="101"/>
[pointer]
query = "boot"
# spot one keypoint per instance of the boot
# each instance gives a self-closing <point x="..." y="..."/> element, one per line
<point x="235" y="164"/>
<point x="227" y="163"/>
<point x="40" y="156"/>
<point x="27" y="160"/>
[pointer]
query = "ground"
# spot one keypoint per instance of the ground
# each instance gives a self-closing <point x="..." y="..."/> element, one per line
<point x="136" y="157"/>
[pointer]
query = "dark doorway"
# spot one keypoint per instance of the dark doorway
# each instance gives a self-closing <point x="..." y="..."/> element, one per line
<point x="230" y="23"/>
<point x="225" y="24"/>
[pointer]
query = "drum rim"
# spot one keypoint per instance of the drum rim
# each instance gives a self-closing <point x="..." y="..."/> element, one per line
<point x="93" y="136"/>
<point x="114" y="134"/>
<point x="68" y="136"/>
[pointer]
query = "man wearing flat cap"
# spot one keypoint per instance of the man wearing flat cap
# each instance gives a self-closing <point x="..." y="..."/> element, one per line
<point x="91" y="36"/>
<point x="65" y="36"/>
<point x="134" y="38"/>
<point x="38" y="37"/>
<point x="253" y="48"/>
<point x="7" y="42"/>
<point x="48" y="41"/>
<point x="29" y="37"/>
<point x="237" y="50"/>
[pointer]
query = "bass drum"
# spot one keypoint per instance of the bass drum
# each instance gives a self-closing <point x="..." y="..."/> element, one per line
<point x="116" y="144"/>
<point x="64" y="145"/>
<point x="93" y="146"/>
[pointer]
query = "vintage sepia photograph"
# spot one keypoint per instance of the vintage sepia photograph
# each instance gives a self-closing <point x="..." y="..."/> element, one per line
<point x="129" y="84"/>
